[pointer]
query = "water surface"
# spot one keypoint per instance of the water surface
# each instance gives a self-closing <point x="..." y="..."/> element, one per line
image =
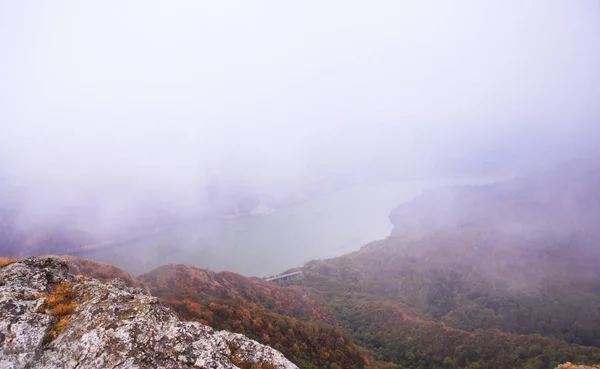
<point x="322" y="227"/>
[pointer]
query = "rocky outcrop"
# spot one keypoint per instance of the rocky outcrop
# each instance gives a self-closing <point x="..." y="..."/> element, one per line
<point x="111" y="326"/>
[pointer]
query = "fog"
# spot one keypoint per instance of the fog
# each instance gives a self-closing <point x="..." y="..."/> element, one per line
<point x="111" y="110"/>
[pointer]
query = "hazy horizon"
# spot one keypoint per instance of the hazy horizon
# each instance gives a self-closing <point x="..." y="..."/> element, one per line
<point x="109" y="109"/>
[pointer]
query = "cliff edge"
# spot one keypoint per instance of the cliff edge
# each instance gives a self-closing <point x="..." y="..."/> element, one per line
<point x="53" y="319"/>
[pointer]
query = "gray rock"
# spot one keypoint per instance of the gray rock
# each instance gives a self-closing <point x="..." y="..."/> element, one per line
<point x="113" y="326"/>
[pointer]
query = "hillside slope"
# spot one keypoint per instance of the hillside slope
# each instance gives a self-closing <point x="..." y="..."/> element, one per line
<point x="468" y="271"/>
<point x="292" y="320"/>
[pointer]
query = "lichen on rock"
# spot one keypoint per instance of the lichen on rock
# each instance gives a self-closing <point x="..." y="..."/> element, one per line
<point x="113" y="325"/>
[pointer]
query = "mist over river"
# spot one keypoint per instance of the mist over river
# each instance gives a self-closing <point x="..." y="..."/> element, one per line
<point x="324" y="226"/>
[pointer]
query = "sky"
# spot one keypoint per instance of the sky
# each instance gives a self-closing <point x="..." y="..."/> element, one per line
<point x="118" y="102"/>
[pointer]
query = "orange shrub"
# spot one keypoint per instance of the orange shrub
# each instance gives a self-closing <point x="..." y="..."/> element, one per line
<point x="60" y="303"/>
<point x="60" y="326"/>
<point x="61" y="294"/>
<point x="63" y="309"/>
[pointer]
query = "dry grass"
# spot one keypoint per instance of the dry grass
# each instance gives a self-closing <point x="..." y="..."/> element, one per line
<point x="62" y="294"/>
<point x="61" y="304"/>
<point x="4" y="261"/>
<point x="63" y="309"/>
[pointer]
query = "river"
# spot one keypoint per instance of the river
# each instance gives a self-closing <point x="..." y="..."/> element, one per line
<point x="325" y="226"/>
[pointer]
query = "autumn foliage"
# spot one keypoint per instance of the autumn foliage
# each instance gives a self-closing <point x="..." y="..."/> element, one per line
<point x="291" y="320"/>
<point x="60" y="303"/>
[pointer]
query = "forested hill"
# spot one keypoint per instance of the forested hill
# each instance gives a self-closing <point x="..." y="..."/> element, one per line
<point x="291" y="319"/>
<point x="321" y="328"/>
<point x="561" y="200"/>
<point x="498" y="261"/>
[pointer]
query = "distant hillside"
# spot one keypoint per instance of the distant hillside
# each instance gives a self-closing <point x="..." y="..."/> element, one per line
<point x="562" y="200"/>
<point x="475" y="268"/>
<point x="21" y="242"/>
